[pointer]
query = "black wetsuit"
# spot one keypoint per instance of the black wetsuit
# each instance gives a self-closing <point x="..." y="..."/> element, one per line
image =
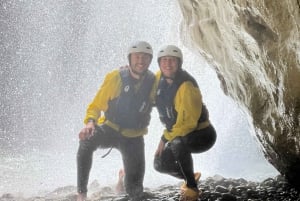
<point x="133" y="156"/>
<point x="130" y="110"/>
<point x="176" y="158"/>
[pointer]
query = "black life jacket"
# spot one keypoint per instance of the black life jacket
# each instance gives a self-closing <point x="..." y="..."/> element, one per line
<point x="165" y="99"/>
<point x="132" y="108"/>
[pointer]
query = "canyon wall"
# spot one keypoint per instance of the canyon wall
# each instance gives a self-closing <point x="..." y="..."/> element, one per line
<point x="254" y="47"/>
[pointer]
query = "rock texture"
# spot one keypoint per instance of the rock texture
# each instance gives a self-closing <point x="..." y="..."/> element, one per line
<point x="254" y="47"/>
<point x="212" y="188"/>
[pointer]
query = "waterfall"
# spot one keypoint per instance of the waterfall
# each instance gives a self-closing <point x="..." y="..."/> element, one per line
<point x="54" y="56"/>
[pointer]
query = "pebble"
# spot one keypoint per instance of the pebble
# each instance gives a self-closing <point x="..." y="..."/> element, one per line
<point x="271" y="189"/>
<point x="216" y="188"/>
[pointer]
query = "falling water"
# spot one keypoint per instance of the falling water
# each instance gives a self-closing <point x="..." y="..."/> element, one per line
<point x="54" y="56"/>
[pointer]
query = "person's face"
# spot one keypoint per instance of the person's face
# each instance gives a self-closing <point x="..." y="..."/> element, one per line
<point x="139" y="62"/>
<point x="169" y="66"/>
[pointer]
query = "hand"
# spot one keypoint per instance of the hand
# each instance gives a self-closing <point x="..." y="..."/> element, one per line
<point x="160" y="148"/>
<point x="87" y="131"/>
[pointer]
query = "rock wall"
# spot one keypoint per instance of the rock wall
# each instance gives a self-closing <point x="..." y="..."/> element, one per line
<point x="254" y="47"/>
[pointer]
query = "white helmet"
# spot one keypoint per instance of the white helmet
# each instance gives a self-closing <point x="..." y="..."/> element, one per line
<point x="170" y="50"/>
<point x="140" y="46"/>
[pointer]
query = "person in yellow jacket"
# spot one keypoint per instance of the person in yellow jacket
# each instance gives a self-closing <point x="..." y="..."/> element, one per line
<point x="188" y="129"/>
<point x="126" y="98"/>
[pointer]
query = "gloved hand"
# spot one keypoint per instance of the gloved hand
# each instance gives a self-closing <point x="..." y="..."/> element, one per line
<point x="87" y="131"/>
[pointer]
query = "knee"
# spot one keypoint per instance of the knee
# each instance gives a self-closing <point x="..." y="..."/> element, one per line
<point x="178" y="147"/>
<point x="85" y="148"/>
<point x="176" y="142"/>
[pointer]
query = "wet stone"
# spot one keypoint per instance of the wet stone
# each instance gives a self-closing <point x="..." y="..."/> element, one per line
<point x="214" y="188"/>
<point x="228" y="197"/>
<point x="221" y="189"/>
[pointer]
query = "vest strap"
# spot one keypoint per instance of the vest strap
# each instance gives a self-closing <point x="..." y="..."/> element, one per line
<point x="203" y="125"/>
<point x="114" y="126"/>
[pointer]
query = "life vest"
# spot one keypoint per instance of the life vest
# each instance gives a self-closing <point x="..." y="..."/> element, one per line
<point x="131" y="110"/>
<point x="165" y="99"/>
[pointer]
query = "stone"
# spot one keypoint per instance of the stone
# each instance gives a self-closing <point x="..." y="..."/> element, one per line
<point x="228" y="197"/>
<point x="210" y="191"/>
<point x="221" y="189"/>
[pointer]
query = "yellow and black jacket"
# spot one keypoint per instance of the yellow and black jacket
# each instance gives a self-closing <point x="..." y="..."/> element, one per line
<point x="180" y="106"/>
<point x="125" y="102"/>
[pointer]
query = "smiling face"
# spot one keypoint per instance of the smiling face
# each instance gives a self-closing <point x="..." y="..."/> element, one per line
<point x="169" y="65"/>
<point x="139" y="62"/>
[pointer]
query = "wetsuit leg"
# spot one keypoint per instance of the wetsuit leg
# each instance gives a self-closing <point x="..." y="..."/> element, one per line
<point x="102" y="137"/>
<point x="195" y="142"/>
<point x="184" y="160"/>
<point x="201" y="140"/>
<point x="133" y="155"/>
<point x="166" y="163"/>
<point x="176" y="160"/>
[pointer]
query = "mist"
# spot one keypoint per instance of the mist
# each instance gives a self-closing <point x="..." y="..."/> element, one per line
<point x="54" y="56"/>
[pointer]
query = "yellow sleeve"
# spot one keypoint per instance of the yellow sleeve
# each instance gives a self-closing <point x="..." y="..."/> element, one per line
<point x="109" y="89"/>
<point x="188" y="104"/>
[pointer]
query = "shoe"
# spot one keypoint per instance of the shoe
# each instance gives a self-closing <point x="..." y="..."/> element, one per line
<point x="81" y="197"/>
<point x="189" y="194"/>
<point x="197" y="176"/>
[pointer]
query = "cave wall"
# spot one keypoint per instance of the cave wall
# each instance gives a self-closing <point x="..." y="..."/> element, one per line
<point x="254" y="47"/>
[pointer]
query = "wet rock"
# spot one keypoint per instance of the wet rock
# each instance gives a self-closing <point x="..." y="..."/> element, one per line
<point x="221" y="189"/>
<point x="228" y="197"/>
<point x="254" y="48"/>
<point x="214" y="188"/>
<point x="271" y="189"/>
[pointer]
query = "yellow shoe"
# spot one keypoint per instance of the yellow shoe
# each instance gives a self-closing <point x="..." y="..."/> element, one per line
<point x="197" y="176"/>
<point x="189" y="194"/>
